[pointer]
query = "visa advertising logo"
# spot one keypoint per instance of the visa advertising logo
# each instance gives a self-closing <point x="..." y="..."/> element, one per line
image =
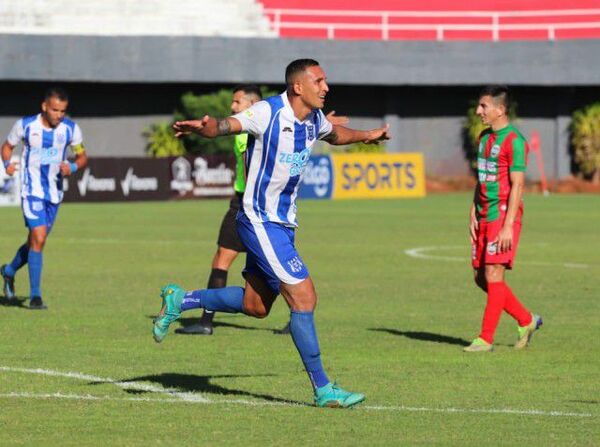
<point x="317" y="181"/>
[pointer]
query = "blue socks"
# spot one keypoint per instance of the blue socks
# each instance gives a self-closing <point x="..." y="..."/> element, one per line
<point x="304" y="334"/>
<point x="35" y="272"/>
<point x="226" y="299"/>
<point x="19" y="260"/>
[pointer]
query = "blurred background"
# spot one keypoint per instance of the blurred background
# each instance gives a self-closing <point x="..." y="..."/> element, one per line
<point x="132" y="67"/>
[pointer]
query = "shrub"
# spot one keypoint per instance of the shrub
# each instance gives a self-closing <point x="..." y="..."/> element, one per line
<point x="161" y="141"/>
<point x="585" y="141"/>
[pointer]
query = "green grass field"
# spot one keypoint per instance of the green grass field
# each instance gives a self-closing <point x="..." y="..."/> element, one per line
<point x="87" y="372"/>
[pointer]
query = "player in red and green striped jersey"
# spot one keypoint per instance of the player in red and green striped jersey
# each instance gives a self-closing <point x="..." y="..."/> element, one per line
<point x="495" y="218"/>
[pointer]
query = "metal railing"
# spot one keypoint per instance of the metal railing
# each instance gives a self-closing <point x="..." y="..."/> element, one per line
<point x="384" y="27"/>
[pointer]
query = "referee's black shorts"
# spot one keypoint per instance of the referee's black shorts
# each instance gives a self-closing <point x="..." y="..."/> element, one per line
<point x="228" y="235"/>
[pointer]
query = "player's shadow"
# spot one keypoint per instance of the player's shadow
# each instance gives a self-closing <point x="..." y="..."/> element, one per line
<point x="14" y="302"/>
<point x="189" y="383"/>
<point x="185" y="322"/>
<point x="425" y="336"/>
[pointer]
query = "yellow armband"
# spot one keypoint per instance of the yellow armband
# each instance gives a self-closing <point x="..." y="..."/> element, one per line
<point x="78" y="148"/>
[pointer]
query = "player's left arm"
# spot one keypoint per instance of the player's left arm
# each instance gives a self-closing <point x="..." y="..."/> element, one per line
<point x="341" y="135"/>
<point x="70" y="167"/>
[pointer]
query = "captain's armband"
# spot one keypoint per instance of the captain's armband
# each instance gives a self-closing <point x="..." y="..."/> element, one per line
<point x="78" y="148"/>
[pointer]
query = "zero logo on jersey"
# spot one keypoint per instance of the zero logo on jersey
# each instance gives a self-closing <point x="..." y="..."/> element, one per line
<point x="297" y="160"/>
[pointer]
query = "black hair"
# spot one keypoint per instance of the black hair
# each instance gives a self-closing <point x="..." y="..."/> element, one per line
<point x="56" y="92"/>
<point x="248" y="89"/>
<point x="297" y="66"/>
<point x="499" y="93"/>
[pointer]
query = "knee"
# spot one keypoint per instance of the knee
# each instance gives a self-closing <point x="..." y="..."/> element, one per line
<point x="255" y="311"/>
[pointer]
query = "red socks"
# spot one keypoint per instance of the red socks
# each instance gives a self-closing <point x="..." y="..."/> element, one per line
<point x="515" y="309"/>
<point x="493" y="310"/>
<point x="500" y="298"/>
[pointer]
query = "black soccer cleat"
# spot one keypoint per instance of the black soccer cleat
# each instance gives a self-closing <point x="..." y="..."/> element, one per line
<point x="36" y="303"/>
<point x="9" y="284"/>
<point x="284" y="330"/>
<point x="196" y="329"/>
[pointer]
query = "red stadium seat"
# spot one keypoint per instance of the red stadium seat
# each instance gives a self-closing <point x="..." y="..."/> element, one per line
<point x="435" y="19"/>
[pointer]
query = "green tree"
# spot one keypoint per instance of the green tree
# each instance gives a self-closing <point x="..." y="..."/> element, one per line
<point x="161" y="141"/>
<point x="585" y="141"/>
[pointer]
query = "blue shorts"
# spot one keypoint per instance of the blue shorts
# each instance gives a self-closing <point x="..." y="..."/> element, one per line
<point x="271" y="252"/>
<point x="37" y="212"/>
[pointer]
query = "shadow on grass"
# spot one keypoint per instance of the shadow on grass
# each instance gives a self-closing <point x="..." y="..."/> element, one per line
<point x="202" y="384"/>
<point x="14" y="302"/>
<point x="425" y="336"/>
<point x="185" y="322"/>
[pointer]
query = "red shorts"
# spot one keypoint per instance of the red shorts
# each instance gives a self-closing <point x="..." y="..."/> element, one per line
<point x="485" y="251"/>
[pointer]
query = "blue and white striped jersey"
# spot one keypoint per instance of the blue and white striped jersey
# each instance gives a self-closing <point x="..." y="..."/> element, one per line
<point x="279" y="146"/>
<point x="44" y="149"/>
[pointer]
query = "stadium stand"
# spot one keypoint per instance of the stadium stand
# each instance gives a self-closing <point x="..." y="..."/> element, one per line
<point x="435" y="19"/>
<point x="235" y="18"/>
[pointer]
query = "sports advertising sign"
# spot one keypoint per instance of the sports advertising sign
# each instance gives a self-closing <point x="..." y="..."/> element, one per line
<point x="378" y="175"/>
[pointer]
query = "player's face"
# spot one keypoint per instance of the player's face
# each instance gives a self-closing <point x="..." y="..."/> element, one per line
<point x="314" y="87"/>
<point x="488" y="111"/>
<point x="240" y="102"/>
<point x="53" y="110"/>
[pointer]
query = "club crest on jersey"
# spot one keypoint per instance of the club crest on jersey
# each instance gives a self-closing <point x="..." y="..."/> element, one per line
<point x="60" y="138"/>
<point x="495" y="150"/>
<point x="310" y="130"/>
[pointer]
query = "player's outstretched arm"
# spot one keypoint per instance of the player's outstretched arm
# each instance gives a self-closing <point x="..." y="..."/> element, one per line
<point x="342" y="135"/>
<point x="208" y="127"/>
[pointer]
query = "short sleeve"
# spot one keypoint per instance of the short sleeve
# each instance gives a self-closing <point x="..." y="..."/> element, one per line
<point x="518" y="156"/>
<point x="16" y="133"/>
<point x="325" y="127"/>
<point x="255" y="119"/>
<point x="77" y="138"/>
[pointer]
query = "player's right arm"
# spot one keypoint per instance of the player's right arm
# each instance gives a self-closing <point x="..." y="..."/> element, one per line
<point x="208" y="127"/>
<point x="15" y="135"/>
<point x="7" y="150"/>
<point x="473" y="223"/>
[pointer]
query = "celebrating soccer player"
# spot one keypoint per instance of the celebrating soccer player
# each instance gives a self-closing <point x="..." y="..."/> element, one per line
<point x="495" y="218"/>
<point x="45" y="138"/>
<point x="282" y="131"/>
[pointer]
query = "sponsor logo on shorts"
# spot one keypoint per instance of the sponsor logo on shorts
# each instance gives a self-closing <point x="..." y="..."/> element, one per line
<point x="492" y="248"/>
<point x="295" y="264"/>
<point x="36" y="205"/>
<point x="473" y="251"/>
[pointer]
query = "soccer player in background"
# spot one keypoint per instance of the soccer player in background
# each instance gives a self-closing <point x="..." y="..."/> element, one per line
<point x="282" y="131"/>
<point x="45" y="137"/>
<point x="495" y="217"/>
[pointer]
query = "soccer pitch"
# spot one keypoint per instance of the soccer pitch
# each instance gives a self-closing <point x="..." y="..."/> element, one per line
<point x="396" y="305"/>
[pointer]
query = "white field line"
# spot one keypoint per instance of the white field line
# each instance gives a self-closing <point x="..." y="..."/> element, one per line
<point x="192" y="398"/>
<point x="425" y="253"/>
<point x="124" y="385"/>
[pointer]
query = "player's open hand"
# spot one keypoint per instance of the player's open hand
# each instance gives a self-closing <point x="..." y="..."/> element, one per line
<point x="337" y="120"/>
<point x="376" y="136"/>
<point x="183" y="128"/>
<point x="505" y="239"/>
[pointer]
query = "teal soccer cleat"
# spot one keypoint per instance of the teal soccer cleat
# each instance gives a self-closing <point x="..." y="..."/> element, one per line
<point x="332" y="396"/>
<point x="9" y="284"/>
<point x="172" y="297"/>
